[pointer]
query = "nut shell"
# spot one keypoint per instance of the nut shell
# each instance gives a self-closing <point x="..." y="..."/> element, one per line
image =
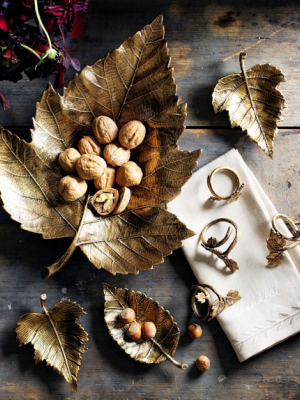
<point x="104" y="201"/>
<point x="105" y="129"/>
<point x="107" y="179"/>
<point x="134" y="332"/>
<point x="67" y="160"/>
<point x="72" y="188"/>
<point x="124" y="198"/>
<point x="89" y="145"/>
<point x="90" y="166"/>
<point x="127" y="316"/>
<point x="132" y="134"/>
<point x="148" y="330"/>
<point x="203" y="363"/>
<point x="129" y="174"/>
<point x="115" y="154"/>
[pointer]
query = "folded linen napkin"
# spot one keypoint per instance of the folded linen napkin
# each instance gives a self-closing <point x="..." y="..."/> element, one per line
<point x="269" y="311"/>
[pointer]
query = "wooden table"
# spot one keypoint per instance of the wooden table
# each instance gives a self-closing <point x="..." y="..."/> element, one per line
<point x="204" y="40"/>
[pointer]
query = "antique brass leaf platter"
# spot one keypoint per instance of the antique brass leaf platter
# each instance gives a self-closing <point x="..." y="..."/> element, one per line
<point x="252" y="101"/>
<point x="56" y="336"/>
<point x="133" y="82"/>
<point x="152" y="351"/>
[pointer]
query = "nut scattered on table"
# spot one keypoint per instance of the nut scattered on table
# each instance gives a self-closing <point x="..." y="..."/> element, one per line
<point x="90" y="166"/>
<point x="203" y="363"/>
<point x="129" y="174"/>
<point x="148" y="330"/>
<point x="132" y="134"/>
<point x="105" y="200"/>
<point x="194" y="331"/>
<point x="134" y="332"/>
<point x="115" y="154"/>
<point x="89" y="145"/>
<point x="67" y="160"/>
<point x="127" y="316"/>
<point x="124" y="198"/>
<point x="72" y="188"/>
<point x="105" y="129"/>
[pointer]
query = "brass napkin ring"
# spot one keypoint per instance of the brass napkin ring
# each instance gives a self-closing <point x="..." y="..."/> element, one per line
<point x="234" y="195"/>
<point x="211" y="309"/>
<point x="212" y="243"/>
<point x="277" y="241"/>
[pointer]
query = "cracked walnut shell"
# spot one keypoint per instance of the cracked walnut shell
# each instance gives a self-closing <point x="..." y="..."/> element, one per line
<point x="115" y="154"/>
<point x="105" y="129"/>
<point x="90" y="166"/>
<point x="104" y="201"/>
<point x="71" y="187"/>
<point x="132" y="134"/>
<point x="124" y="198"/>
<point x="67" y="160"/>
<point x="129" y="174"/>
<point x="89" y="145"/>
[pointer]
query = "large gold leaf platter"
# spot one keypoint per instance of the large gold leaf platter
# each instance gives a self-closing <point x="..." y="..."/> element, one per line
<point x="133" y="82"/>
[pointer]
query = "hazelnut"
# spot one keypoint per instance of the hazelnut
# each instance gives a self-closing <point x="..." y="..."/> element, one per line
<point x="132" y="134"/>
<point x="105" y="200"/>
<point x="72" y="187"/>
<point x="106" y="180"/>
<point x="127" y="315"/>
<point x="129" y="174"/>
<point x="89" y="145"/>
<point x="203" y="363"/>
<point x="89" y="166"/>
<point x="134" y="331"/>
<point x="105" y="129"/>
<point x="115" y="154"/>
<point x="67" y="160"/>
<point x="194" y="331"/>
<point x="148" y="330"/>
<point x="124" y="198"/>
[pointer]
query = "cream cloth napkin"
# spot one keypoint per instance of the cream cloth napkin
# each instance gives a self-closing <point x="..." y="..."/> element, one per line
<point x="269" y="311"/>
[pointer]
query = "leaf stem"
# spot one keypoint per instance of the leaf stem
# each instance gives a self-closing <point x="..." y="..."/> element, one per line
<point x="59" y="264"/>
<point x="41" y="23"/>
<point x="170" y="358"/>
<point x="32" y="51"/>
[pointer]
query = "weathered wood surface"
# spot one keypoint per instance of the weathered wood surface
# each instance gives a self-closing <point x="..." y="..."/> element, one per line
<point x="201" y="34"/>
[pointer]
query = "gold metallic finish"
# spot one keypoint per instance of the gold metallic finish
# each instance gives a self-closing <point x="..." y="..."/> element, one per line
<point x="143" y="234"/>
<point x="152" y="351"/>
<point x="277" y="241"/>
<point x="56" y="336"/>
<point x="212" y="243"/>
<point x="252" y="101"/>
<point x="212" y="309"/>
<point x="234" y="195"/>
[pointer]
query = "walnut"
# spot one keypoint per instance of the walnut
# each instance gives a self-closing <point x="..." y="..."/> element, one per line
<point x="129" y="174"/>
<point x="105" y="129"/>
<point x="106" y="180"/>
<point x="132" y="134"/>
<point x="104" y="201"/>
<point x="89" y="166"/>
<point x="67" y="160"/>
<point x="124" y="198"/>
<point x="71" y="187"/>
<point x="89" y="145"/>
<point x="115" y="154"/>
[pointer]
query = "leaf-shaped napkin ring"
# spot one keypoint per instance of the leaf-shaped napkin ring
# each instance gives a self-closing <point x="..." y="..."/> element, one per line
<point x="276" y="241"/>
<point x="56" y="337"/>
<point x="212" y="243"/>
<point x="234" y="195"/>
<point x="211" y="309"/>
<point x="252" y="101"/>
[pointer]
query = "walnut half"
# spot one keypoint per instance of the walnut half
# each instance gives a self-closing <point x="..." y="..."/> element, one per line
<point x="104" y="201"/>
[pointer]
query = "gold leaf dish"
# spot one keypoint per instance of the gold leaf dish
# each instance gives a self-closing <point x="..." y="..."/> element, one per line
<point x="133" y="82"/>
<point x="153" y="351"/>
<point x="252" y="101"/>
<point x="56" y="336"/>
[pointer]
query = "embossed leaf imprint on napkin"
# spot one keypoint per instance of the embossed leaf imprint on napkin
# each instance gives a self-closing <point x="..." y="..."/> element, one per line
<point x="269" y="311"/>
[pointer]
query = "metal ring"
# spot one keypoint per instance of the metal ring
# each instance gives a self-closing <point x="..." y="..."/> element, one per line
<point x="286" y="220"/>
<point x="234" y="195"/>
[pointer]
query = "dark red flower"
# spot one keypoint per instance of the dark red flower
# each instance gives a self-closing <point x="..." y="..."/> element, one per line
<point x="4" y="102"/>
<point x="79" y="25"/>
<point x="59" y="78"/>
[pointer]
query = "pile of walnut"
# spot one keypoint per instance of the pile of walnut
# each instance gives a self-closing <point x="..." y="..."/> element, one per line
<point x="135" y="330"/>
<point x="113" y="168"/>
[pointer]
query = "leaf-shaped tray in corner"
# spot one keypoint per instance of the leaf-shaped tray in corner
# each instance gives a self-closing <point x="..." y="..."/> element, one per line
<point x="153" y="351"/>
<point x="133" y="82"/>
